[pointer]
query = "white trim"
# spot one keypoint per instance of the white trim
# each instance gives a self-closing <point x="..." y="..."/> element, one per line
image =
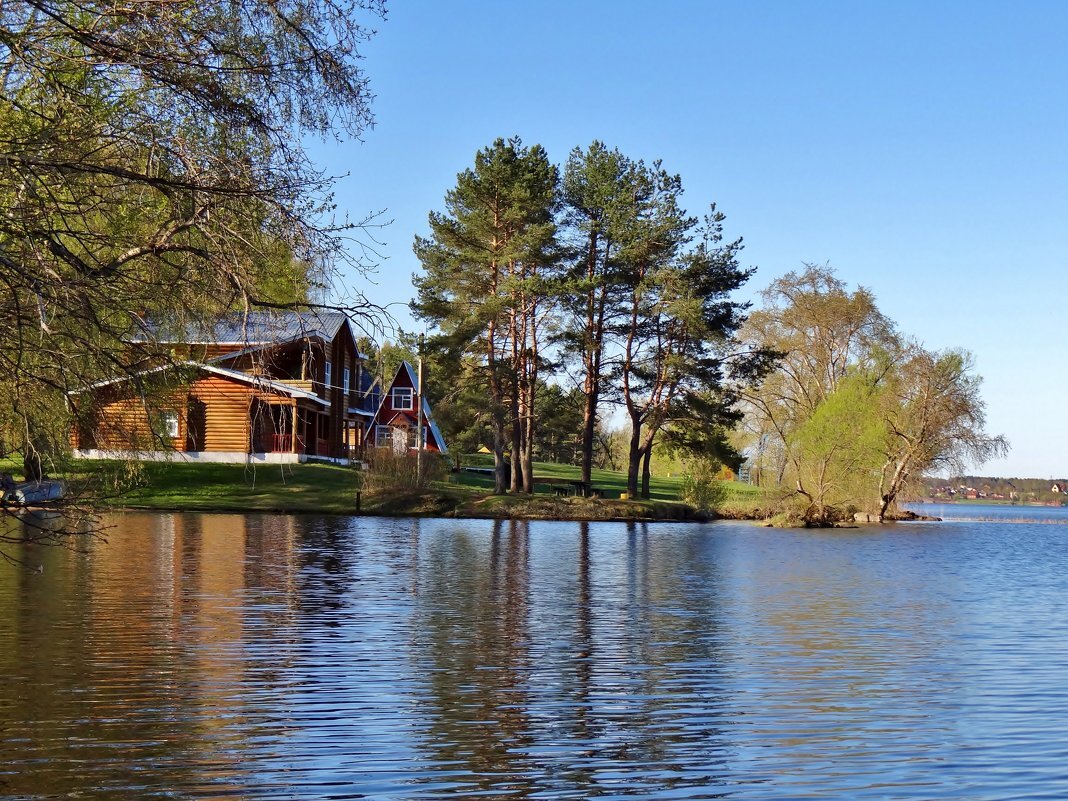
<point x="216" y="457"/>
<point x="261" y="383"/>
<point x="213" y="457"/>
<point x="393" y="399"/>
<point x="170" y="423"/>
<point x="379" y="441"/>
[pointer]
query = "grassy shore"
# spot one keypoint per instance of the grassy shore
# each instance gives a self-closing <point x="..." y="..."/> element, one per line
<point x="331" y="489"/>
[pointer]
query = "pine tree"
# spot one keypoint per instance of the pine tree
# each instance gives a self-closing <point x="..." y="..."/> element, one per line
<point x="489" y="267"/>
<point x="603" y="195"/>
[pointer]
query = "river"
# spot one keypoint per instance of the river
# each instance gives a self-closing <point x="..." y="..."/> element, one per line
<point x="279" y="657"/>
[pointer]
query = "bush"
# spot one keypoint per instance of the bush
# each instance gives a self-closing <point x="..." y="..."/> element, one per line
<point x="386" y="470"/>
<point x="701" y="489"/>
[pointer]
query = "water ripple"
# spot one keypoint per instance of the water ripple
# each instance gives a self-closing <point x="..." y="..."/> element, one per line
<point x="215" y="656"/>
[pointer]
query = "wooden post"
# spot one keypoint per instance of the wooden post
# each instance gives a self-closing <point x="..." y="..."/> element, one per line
<point x="293" y="433"/>
<point x="419" y="420"/>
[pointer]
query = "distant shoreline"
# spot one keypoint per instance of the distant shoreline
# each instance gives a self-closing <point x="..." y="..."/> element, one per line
<point x="986" y="502"/>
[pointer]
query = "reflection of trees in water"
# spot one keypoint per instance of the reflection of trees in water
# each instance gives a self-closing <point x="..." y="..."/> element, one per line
<point x="651" y="698"/>
<point x="520" y="657"/>
<point x="471" y="641"/>
<point x="572" y="662"/>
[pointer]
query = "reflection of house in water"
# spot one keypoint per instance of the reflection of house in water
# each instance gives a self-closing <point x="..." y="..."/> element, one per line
<point x="177" y="608"/>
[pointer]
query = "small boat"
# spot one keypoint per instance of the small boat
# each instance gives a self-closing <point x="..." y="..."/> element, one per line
<point x="35" y="493"/>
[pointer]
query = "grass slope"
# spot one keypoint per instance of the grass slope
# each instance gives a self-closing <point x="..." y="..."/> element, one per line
<point x="331" y="489"/>
<point x="322" y="488"/>
<point x="612" y="483"/>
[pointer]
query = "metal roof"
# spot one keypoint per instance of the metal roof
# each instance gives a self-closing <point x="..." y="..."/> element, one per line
<point x="253" y="328"/>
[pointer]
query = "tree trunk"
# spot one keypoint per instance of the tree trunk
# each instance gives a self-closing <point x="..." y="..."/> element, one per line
<point x="516" y="457"/>
<point x="500" y="469"/>
<point x="886" y="499"/>
<point x="31" y="465"/>
<point x="528" y="436"/>
<point x="589" y="428"/>
<point x="500" y="466"/>
<point x="515" y="421"/>
<point x="645" y="472"/>
<point x="634" y="458"/>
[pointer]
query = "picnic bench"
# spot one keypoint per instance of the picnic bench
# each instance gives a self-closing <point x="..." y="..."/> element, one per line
<point x="566" y="486"/>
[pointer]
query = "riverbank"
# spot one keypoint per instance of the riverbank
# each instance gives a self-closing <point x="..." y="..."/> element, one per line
<point x="465" y="503"/>
<point x="314" y="488"/>
<point x="319" y="488"/>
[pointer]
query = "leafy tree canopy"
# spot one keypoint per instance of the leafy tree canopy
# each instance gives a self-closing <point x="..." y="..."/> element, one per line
<point x="151" y="166"/>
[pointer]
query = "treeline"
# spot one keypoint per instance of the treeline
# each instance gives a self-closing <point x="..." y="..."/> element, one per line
<point x="594" y="270"/>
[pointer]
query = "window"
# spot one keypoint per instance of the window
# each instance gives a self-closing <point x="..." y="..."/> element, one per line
<point x="346" y="386"/>
<point x="383" y="436"/>
<point x="327" y="378"/>
<point x="170" y="424"/>
<point x="402" y="398"/>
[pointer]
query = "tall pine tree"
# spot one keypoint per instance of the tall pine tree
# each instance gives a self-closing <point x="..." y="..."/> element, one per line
<point x="604" y="192"/>
<point x="489" y="265"/>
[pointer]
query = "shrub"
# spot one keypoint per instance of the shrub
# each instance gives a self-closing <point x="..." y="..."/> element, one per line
<point x="386" y="470"/>
<point x="701" y="489"/>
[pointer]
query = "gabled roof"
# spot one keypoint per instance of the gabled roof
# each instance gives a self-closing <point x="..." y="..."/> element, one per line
<point x="403" y="417"/>
<point x="425" y="406"/>
<point x="251" y="329"/>
<point x="256" y="381"/>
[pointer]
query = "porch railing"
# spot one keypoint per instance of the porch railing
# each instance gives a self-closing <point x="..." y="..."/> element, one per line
<point x="280" y="443"/>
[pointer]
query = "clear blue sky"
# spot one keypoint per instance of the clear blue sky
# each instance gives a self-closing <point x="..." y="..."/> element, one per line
<point x="921" y="149"/>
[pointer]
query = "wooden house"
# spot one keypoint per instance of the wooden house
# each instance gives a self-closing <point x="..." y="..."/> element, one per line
<point x="395" y="419"/>
<point x="258" y="387"/>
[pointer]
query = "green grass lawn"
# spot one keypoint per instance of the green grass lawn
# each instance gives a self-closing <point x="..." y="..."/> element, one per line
<point x="612" y="483"/>
<point x="309" y="487"/>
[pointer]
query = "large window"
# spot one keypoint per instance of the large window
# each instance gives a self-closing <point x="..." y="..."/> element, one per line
<point x="402" y="398"/>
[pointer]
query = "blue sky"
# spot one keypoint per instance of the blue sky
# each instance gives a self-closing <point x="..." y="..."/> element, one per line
<point x="920" y="149"/>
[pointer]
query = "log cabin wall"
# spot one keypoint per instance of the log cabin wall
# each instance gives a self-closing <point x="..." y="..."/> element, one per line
<point x="214" y="413"/>
<point x="123" y="423"/>
<point x="227" y="405"/>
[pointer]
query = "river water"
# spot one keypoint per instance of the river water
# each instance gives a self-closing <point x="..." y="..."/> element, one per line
<point x="278" y="657"/>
